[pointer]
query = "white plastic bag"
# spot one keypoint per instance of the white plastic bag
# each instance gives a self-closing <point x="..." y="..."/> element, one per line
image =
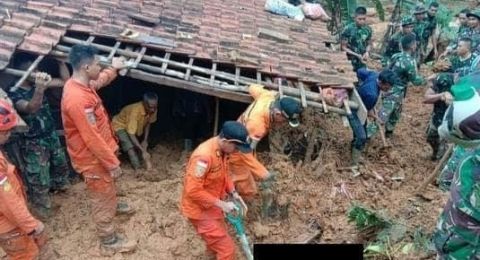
<point x="283" y="8"/>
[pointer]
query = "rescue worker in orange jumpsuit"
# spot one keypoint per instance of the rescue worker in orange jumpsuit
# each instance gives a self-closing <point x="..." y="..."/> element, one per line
<point x="21" y="235"/>
<point x="265" y="112"/>
<point x="91" y="143"/>
<point x="206" y="185"/>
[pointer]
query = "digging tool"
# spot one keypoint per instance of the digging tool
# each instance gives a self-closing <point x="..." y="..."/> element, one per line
<point x="382" y="134"/>
<point x="434" y="173"/>
<point x="235" y="218"/>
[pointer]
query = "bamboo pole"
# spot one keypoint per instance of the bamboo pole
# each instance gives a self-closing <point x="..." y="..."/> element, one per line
<point x="217" y="112"/>
<point x="25" y="76"/>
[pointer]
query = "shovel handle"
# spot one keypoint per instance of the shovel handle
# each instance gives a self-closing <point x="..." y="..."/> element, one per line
<point x="434" y="173"/>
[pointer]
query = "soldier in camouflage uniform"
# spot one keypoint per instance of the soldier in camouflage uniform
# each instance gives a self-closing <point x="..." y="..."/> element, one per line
<point x="446" y="175"/>
<point x="458" y="229"/>
<point x="439" y="93"/>
<point x="420" y="30"/>
<point x="356" y="39"/>
<point x="393" y="45"/>
<point x="474" y="32"/>
<point x="431" y="28"/>
<point x="405" y="67"/>
<point x="45" y="161"/>
<point x="463" y="31"/>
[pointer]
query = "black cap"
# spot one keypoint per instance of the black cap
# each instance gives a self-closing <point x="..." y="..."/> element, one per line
<point x="235" y="132"/>
<point x="291" y="109"/>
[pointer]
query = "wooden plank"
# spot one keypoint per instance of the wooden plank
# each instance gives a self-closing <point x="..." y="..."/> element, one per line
<point x="139" y="57"/>
<point x="189" y="69"/>
<point x="361" y="110"/>
<point x="212" y="76"/>
<point x="237" y="75"/>
<point x="303" y="96"/>
<point x="259" y="77"/>
<point x="25" y="76"/>
<point x="217" y="113"/>
<point x="165" y="63"/>
<point x="280" y="87"/>
<point x="273" y="35"/>
<point x="347" y="107"/>
<point x="90" y="40"/>
<point x="113" y="51"/>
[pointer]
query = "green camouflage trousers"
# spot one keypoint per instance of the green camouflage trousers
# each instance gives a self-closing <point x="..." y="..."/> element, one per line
<point x="45" y="168"/>
<point x="446" y="175"/>
<point x="454" y="245"/>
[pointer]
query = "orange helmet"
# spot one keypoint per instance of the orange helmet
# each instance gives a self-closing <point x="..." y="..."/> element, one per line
<point x="8" y="116"/>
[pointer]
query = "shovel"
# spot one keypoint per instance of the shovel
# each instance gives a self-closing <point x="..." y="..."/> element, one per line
<point x="235" y="218"/>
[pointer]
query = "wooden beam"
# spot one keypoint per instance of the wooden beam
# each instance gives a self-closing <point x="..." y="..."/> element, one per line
<point x="212" y="76"/>
<point x="90" y="39"/>
<point x="237" y="75"/>
<point x="280" y="88"/>
<point x="259" y="77"/>
<point x="165" y="63"/>
<point x="139" y="57"/>
<point x="25" y="76"/>
<point x="114" y="50"/>
<point x="189" y="69"/>
<point x="303" y="96"/>
<point x="217" y="115"/>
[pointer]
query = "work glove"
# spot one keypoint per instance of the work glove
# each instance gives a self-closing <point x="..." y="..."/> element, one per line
<point x="39" y="235"/>
<point x="238" y="198"/>
<point x="268" y="181"/>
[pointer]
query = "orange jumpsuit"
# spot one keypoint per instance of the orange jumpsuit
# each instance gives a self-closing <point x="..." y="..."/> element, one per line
<point x="16" y="222"/>
<point x="91" y="145"/>
<point x="244" y="167"/>
<point x="206" y="181"/>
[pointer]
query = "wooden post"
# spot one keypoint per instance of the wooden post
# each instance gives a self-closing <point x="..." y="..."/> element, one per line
<point x="434" y="173"/>
<point x="217" y="111"/>
<point x="189" y="69"/>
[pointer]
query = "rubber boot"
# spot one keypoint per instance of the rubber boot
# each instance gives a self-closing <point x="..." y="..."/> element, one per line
<point x="134" y="160"/>
<point x="356" y="155"/>
<point x="116" y="244"/>
<point x="124" y="209"/>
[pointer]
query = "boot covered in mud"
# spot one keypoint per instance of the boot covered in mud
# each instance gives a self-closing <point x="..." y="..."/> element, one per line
<point x="356" y="157"/>
<point x="115" y="243"/>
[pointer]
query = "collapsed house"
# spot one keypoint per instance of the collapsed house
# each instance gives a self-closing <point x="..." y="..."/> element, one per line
<point x="211" y="47"/>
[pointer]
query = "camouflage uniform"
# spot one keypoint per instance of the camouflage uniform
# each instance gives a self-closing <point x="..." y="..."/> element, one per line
<point x="458" y="229"/>
<point x="405" y="67"/>
<point x="358" y="39"/>
<point x="41" y="152"/>
<point x="462" y="67"/>
<point x="441" y="84"/>
<point x="446" y="175"/>
<point x="393" y="47"/>
<point x="421" y="30"/>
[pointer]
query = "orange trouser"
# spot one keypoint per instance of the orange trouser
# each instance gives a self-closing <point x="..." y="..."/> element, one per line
<point x="103" y="198"/>
<point x="19" y="246"/>
<point x="215" y="234"/>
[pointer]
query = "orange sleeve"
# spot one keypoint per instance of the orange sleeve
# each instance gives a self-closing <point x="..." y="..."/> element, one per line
<point x="14" y="208"/>
<point x="92" y="137"/>
<point x="254" y="165"/>
<point x="194" y="182"/>
<point x="256" y="90"/>
<point x="106" y="77"/>
<point x="256" y="129"/>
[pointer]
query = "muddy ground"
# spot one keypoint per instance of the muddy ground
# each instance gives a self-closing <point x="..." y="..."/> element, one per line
<point x="317" y="198"/>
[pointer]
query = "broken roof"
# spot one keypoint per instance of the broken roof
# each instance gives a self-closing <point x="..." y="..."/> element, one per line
<point x="237" y="31"/>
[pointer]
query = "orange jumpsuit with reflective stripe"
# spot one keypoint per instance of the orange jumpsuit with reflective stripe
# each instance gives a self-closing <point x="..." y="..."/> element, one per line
<point x="91" y="145"/>
<point x="15" y="219"/>
<point x="206" y="181"/>
<point x="244" y="167"/>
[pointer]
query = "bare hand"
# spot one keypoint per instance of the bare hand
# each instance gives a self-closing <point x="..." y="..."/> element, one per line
<point x="42" y="79"/>
<point x="432" y="77"/>
<point x="366" y="56"/>
<point x="144" y="145"/>
<point x="119" y="63"/>
<point x="237" y="197"/>
<point x="447" y="98"/>
<point x="115" y="173"/>
<point x="40" y="235"/>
